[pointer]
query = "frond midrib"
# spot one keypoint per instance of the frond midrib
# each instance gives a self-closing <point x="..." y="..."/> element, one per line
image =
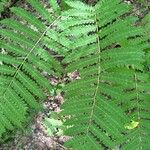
<point x="98" y="77"/>
<point x="26" y="57"/>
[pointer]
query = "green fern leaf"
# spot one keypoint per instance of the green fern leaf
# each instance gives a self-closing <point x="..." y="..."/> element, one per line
<point x="41" y="10"/>
<point x="138" y="105"/>
<point x="97" y="102"/>
<point x="23" y="59"/>
<point x="54" y="5"/>
<point x="23" y="14"/>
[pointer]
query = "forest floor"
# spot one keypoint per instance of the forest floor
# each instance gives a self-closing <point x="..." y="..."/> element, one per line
<point x="35" y="137"/>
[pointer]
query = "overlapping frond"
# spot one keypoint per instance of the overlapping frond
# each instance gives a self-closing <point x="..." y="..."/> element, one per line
<point x="137" y="104"/>
<point x="137" y="108"/>
<point x="23" y="60"/>
<point x="107" y="51"/>
<point x="146" y="25"/>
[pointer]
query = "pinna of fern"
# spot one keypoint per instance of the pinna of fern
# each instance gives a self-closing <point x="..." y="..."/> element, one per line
<point x="146" y="25"/>
<point x="138" y="105"/>
<point x="23" y="59"/>
<point x="111" y="89"/>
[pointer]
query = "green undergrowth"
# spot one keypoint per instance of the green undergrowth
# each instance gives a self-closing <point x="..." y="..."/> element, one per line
<point x="106" y="105"/>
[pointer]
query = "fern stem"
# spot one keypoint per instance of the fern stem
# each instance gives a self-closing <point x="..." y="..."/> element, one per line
<point x="98" y="78"/>
<point x="15" y="74"/>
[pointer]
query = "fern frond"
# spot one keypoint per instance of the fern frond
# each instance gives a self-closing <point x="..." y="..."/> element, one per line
<point x="138" y="105"/>
<point x="24" y="58"/>
<point x="139" y="109"/>
<point x="96" y="102"/>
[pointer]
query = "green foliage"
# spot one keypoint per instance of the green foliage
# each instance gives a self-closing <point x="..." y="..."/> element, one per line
<point x="107" y="106"/>
<point x="24" y="59"/>
<point x="146" y="25"/>
<point x="144" y="3"/>
<point x="3" y="4"/>
<point x="107" y="51"/>
<point x="53" y="125"/>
